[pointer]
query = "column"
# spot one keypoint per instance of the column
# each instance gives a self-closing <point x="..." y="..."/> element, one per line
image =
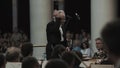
<point x="102" y="11"/>
<point x="14" y="13"/>
<point x="40" y="15"/>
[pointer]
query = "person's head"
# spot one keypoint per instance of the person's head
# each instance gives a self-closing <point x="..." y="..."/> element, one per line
<point x="69" y="57"/>
<point x="30" y="62"/>
<point x="55" y="13"/>
<point x="111" y="37"/>
<point x="76" y="42"/>
<point x="2" y="61"/>
<point x="58" y="50"/>
<point x="56" y="63"/>
<point x="27" y="49"/>
<point x="77" y="36"/>
<point x="13" y="54"/>
<point x="99" y="43"/>
<point x="61" y="16"/>
<point x="85" y="45"/>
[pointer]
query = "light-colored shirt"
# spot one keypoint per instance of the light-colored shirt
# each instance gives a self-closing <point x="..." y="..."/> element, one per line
<point x="61" y="33"/>
<point x="86" y="52"/>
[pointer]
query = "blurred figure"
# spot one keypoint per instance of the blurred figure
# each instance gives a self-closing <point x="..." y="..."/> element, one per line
<point x="69" y="58"/>
<point x="85" y="50"/>
<point x="78" y="59"/>
<point x="56" y="63"/>
<point x="30" y="62"/>
<point x="26" y="49"/>
<point x="16" y="37"/>
<point x="55" y="31"/>
<point x="111" y="37"/>
<point x="76" y="45"/>
<point x="100" y="54"/>
<point x="58" y="51"/>
<point x="69" y="40"/>
<point x="13" y="54"/>
<point x="73" y="58"/>
<point x="2" y="61"/>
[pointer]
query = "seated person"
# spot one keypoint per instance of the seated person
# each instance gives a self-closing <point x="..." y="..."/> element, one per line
<point x="78" y="59"/>
<point x="56" y="63"/>
<point x="72" y="58"/>
<point x="76" y="45"/>
<point x="85" y="50"/>
<point x="30" y="62"/>
<point x="100" y="54"/>
<point x="2" y="61"/>
<point x="57" y="51"/>
<point x="13" y="54"/>
<point x="26" y="49"/>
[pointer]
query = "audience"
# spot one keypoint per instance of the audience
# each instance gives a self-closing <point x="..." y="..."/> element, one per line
<point x="69" y="57"/>
<point x="76" y="45"/>
<point x="85" y="50"/>
<point x="30" y="62"/>
<point x="26" y="49"/>
<point x="2" y="61"/>
<point x="56" y="63"/>
<point x="13" y="54"/>
<point x="78" y="59"/>
<point x="58" y="50"/>
<point x="100" y="54"/>
<point x="111" y="37"/>
<point x="16" y="37"/>
<point x="69" y="39"/>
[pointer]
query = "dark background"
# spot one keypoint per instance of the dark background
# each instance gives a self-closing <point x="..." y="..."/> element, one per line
<point x="82" y="7"/>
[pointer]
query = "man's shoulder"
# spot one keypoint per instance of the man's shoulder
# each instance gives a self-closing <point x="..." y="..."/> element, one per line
<point x="51" y="23"/>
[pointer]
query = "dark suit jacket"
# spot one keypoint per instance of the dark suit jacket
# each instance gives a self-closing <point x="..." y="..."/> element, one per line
<point x="53" y="32"/>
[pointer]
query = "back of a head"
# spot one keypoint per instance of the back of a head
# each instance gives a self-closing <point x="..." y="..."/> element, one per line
<point x="27" y="49"/>
<point x="56" y="63"/>
<point x="69" y="57"/>
<point x="2" y="61"/>
<point x="30" y="62"/>
<point x="58" y="50"/>
<point x="13" y="54"/>
<point x="111" y="36"/>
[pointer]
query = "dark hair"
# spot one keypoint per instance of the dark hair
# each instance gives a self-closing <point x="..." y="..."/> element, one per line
<point x="69" y="57"/>
<point x="29" y="62"/>
<point x="58" y="49"/>
<point x="56" y="63"/>
<point x="86" y="43"/>
<point x="27" y="49"/>
<point x="2" y="60"/>
<point x="111" y="36"/>
<point x="13" y="54"/>
<point x="78" y="58"/>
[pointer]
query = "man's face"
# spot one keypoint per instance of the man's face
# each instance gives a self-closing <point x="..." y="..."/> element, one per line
<point x="99" y="44"/>
<point x="55" y="13"/>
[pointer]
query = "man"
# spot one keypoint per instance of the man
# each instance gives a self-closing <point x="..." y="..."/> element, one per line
<point x="55" y="31"/>
<point x="30" y="62"/>
<point x="13" y="54"/>
<point x="111" y="38"/>
<point x="100" y="54"/>
<point x="56" y="63"/>
<point x="27" y="49"/>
